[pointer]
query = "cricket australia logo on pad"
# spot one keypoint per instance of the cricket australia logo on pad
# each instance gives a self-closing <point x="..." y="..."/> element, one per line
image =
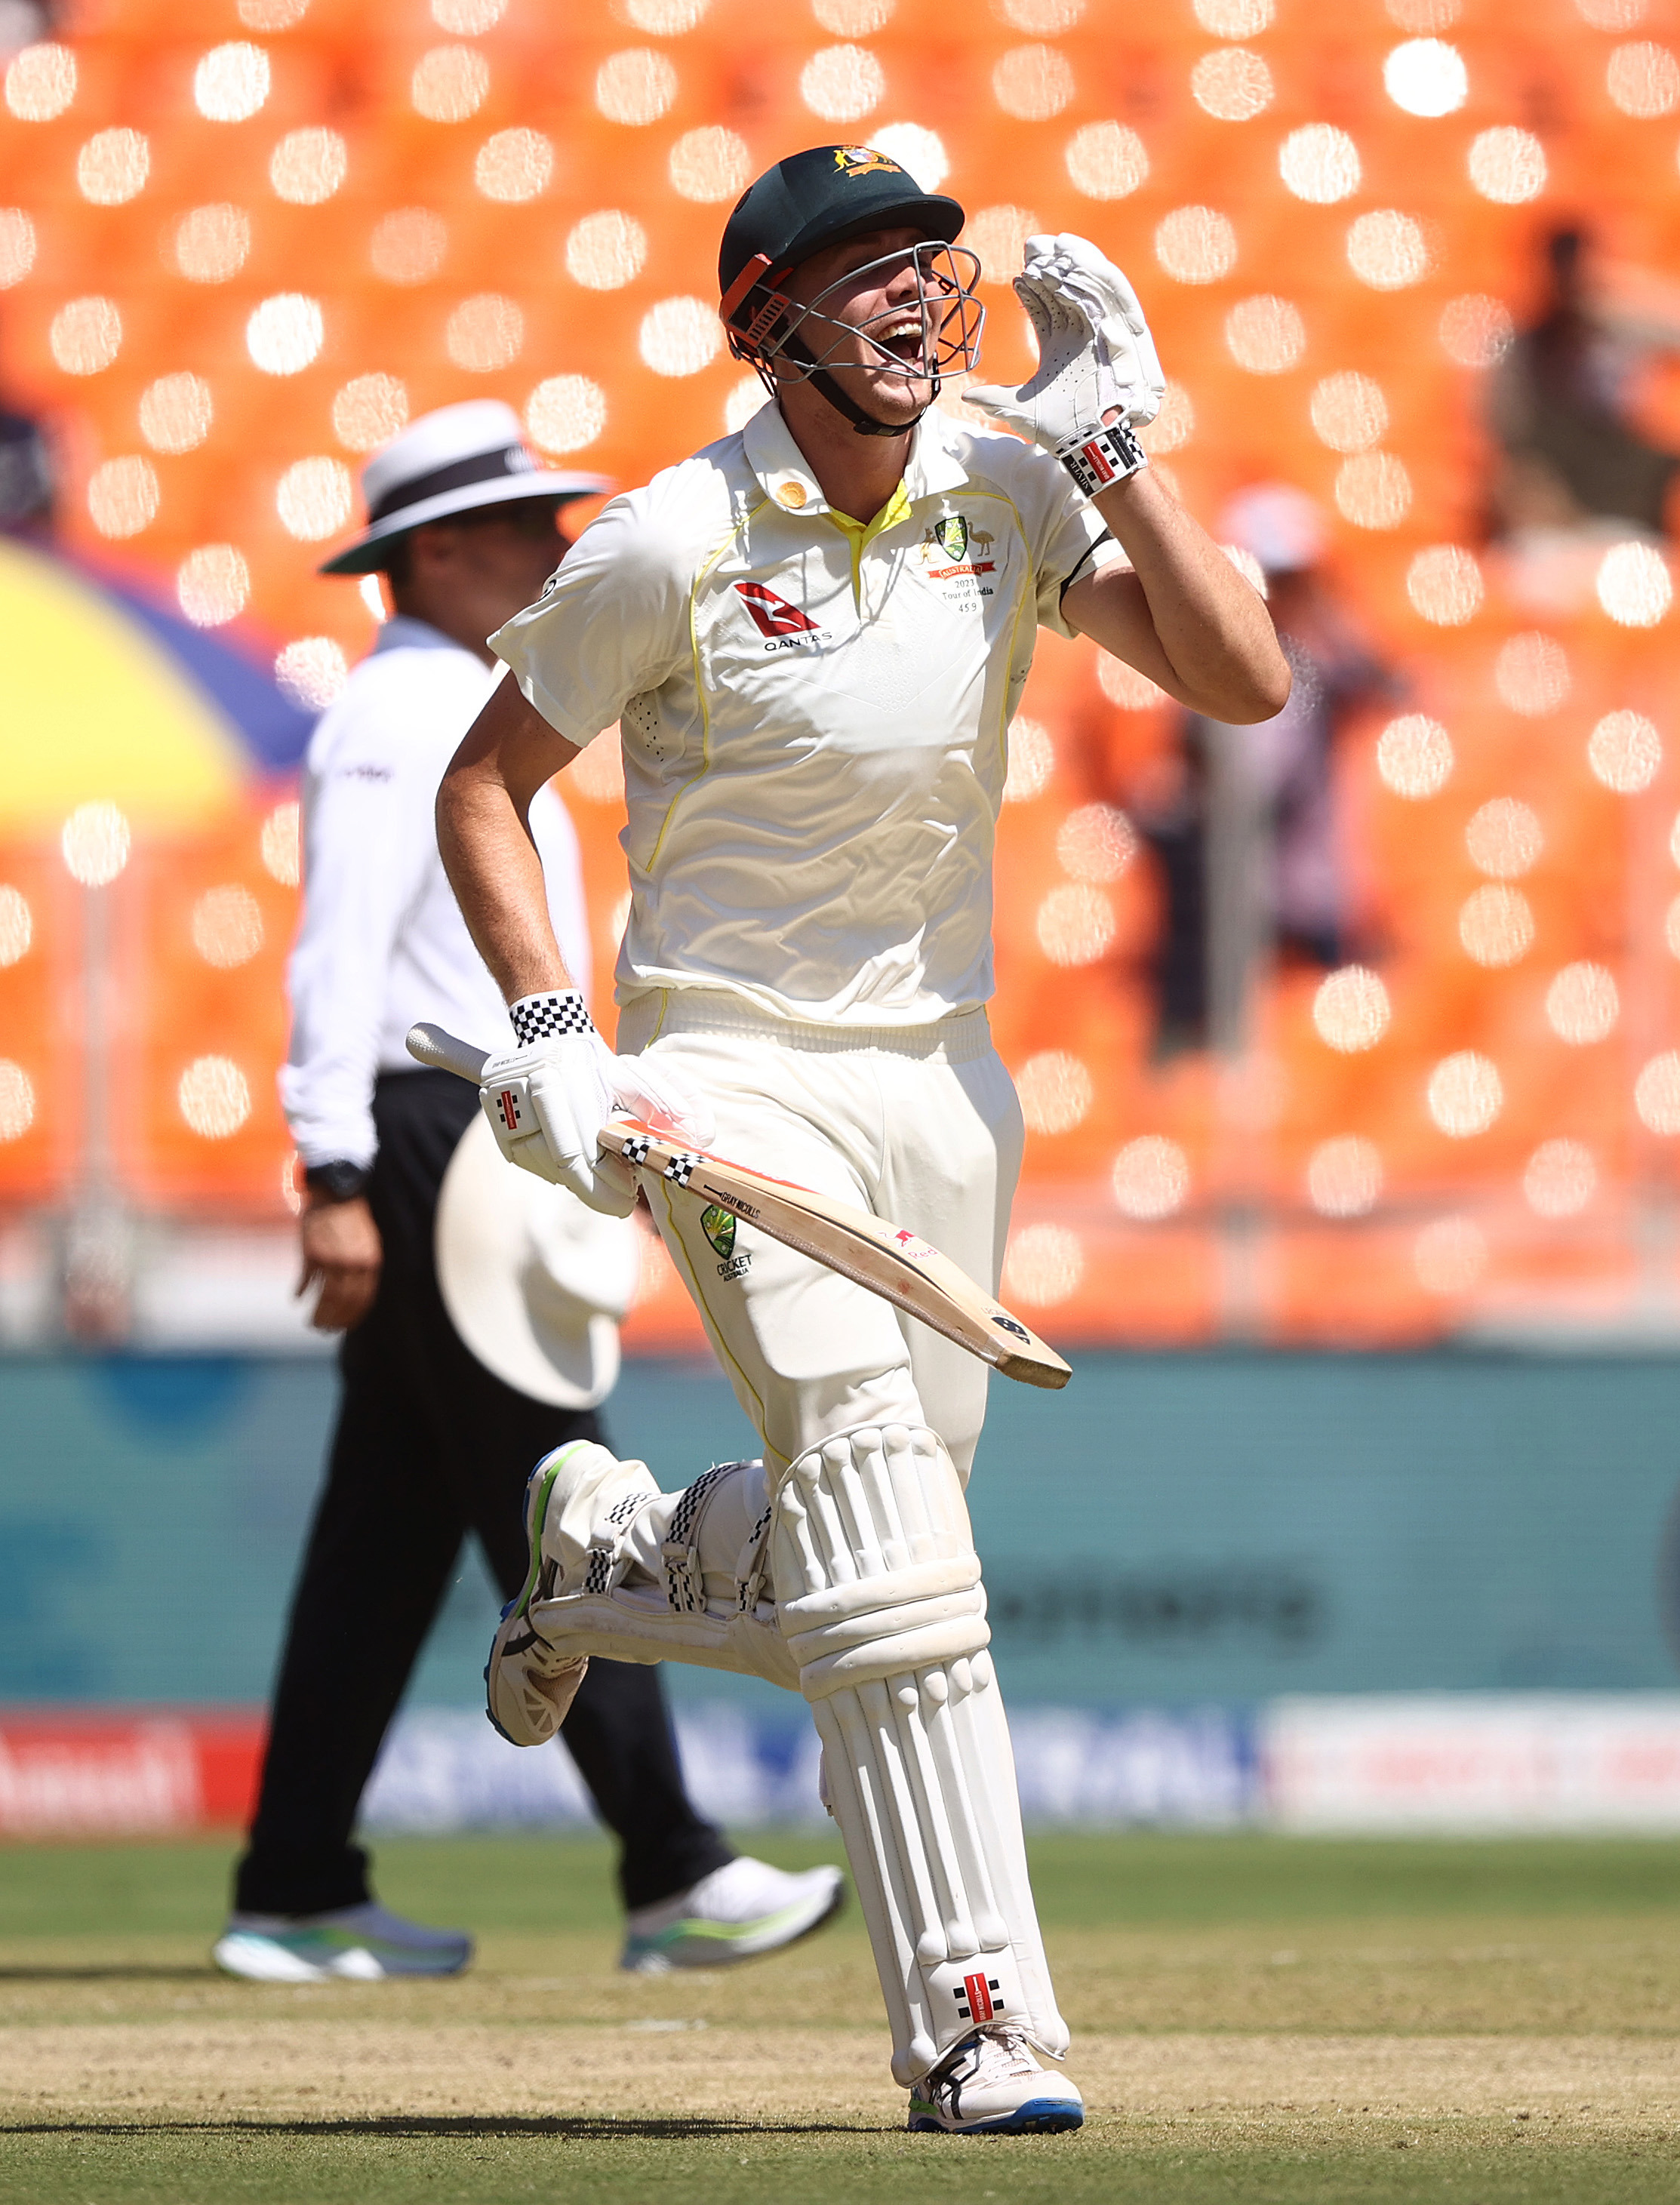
<point x="784" y="626"/>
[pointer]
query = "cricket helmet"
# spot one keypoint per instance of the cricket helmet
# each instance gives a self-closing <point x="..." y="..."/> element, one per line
<point x="823" y="197"/>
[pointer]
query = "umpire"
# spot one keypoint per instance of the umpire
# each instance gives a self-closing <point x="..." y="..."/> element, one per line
<point x="430" y="1442"/>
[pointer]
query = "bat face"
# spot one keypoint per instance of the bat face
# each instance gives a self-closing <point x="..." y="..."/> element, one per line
<point x="888" y="1259"/>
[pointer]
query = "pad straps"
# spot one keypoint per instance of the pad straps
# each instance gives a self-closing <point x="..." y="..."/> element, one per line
<point x="685" y="1588"/>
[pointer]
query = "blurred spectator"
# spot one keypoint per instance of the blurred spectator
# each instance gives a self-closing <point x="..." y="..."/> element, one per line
<point x="1561" y="406"/>
<point x="1242" y="820"/>
<point x="22" y="23"/>
<point x="26" y="477"/>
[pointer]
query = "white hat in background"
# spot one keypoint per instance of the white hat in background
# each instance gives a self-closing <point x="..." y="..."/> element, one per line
<point x="1277" y="525"/>
<point x="534" y="1282"/>
<point x="457" y="460"/>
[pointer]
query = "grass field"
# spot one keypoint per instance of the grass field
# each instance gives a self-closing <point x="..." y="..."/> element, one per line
<point x="1261" y="2019"/>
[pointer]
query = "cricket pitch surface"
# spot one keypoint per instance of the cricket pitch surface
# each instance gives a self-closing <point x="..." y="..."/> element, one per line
<point x="1254" y="2018"/>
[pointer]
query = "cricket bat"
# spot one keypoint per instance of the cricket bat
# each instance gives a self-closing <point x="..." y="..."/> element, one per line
<point x="898" y="1265"/>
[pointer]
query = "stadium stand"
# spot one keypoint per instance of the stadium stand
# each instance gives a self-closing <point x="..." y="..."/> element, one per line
<point x="244" y="240"/>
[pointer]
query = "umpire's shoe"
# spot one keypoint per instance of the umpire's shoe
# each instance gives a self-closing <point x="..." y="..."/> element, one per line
<point x="742" y="1909"/>
<point x="359" y="1944"/>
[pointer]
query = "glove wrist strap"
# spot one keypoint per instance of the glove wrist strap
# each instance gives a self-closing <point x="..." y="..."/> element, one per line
<point x="1099" y="461"/>
<point x="546" y="1017"/>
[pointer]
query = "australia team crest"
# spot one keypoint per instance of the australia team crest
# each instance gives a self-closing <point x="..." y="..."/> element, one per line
<point x="954" y="549"/>
<point x="952" y="535"/>
<point x="718" y="1226"/>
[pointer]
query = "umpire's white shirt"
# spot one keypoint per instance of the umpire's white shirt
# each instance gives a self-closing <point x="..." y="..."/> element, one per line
<point x="382" y="942"/>
<point x="815" y="716"/>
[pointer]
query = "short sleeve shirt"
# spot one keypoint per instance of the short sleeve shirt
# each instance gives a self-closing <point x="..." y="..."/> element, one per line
<point x="814" y="714"/>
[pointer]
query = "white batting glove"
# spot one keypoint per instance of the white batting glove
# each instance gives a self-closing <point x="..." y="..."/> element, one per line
<point x="547" y="1100"/>
<point x="1096" y="358"/>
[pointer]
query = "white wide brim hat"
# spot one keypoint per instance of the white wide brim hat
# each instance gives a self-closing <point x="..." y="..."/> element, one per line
<point x="457" y="460"/>
<point x="1276" y="524"/>
<point x="534" y="1282"/>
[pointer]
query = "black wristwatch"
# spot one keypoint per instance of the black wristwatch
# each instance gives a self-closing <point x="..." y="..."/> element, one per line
<point x="338" y="1182"/>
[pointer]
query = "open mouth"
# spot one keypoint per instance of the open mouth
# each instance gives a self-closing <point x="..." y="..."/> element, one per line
<point x="931" y="332"/>
<point x="905" y="340"/>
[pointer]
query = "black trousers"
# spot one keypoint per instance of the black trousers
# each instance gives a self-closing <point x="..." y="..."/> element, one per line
<point x="430" y="1446"/>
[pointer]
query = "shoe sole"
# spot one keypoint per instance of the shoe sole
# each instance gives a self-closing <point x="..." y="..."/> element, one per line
<point x="538" y="1494"/>
<point x="1037" y="2117"/>
<point x="256" y="1959"/>
<point x="657" y="1962"/>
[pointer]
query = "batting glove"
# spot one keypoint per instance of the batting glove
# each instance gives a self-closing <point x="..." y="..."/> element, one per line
<point x="1096" y="358"/>
<point x="547" y="1100"/>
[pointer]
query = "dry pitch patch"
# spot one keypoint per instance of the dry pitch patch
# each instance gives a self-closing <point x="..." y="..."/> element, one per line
<point x="1421" y="2054"/>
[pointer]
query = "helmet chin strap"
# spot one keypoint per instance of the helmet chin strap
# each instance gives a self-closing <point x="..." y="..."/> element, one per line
<point x="863" y="424"/>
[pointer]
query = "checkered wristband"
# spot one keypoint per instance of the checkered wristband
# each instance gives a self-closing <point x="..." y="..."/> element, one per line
<point x="545" y="1018"/>
<point x="1096" y="462"/>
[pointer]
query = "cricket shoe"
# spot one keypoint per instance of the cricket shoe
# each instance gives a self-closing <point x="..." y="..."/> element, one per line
<point x="529" y="1684"/>
<point x="739" y="1911"/>
<point x="616" y="1568"/>
<point x="992" y="2085"/>
<point x="361" y="1944"/>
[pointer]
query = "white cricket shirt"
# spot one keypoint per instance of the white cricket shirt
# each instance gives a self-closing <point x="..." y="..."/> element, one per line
<point x="814" y="714"/>
<point x="382" y="942"/>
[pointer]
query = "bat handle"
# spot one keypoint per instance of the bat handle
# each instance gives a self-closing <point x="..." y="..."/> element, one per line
<point x="430" y="1044"/>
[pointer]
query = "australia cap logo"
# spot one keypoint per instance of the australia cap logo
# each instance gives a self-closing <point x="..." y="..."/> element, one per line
<point x="864" y="161"/>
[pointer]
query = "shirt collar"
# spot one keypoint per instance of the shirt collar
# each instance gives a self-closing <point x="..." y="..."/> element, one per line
<point x="779" y="464"/>
<point x="402" y="632"/>
<point x="933" y="465"/>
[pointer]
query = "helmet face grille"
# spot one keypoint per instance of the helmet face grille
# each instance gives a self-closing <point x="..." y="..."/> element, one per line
<point x="932" y="331"/>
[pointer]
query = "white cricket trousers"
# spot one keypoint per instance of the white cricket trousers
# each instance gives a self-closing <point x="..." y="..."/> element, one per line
<point x="852" y="1399"/>
<point x="918" y="1125"/>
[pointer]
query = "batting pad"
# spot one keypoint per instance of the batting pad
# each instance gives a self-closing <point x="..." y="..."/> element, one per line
<point x="878" y="1596"/>
<point x="594" y="1597"/>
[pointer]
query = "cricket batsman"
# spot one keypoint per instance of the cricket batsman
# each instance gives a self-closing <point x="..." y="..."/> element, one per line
<point x="814" y="635"/>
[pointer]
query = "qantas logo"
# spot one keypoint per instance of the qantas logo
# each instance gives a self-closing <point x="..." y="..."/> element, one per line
<point x="782" y="625"/>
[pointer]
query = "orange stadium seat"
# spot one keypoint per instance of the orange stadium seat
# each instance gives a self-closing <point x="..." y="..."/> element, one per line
<point x="1015" y="135"/>
<point x="209" y="930"/>
<point x="41" y="961"/>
